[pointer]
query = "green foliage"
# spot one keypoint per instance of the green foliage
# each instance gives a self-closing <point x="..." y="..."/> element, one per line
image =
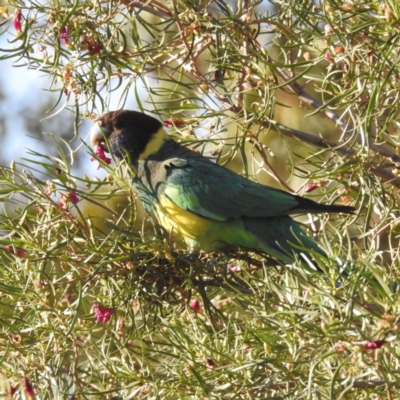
<point x="75" y="251"/>
<point x="261" y="329"/>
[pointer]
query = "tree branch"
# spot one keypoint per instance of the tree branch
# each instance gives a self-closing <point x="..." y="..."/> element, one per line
<point x="345" y="127"/>
<point x="383" y="173"/>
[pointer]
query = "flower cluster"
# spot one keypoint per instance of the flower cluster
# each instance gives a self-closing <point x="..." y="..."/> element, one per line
<point x="64" y="36"/>
<point x="102" y="314"/>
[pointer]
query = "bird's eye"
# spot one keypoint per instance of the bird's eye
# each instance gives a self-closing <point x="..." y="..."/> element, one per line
<point x="99" y="123"/>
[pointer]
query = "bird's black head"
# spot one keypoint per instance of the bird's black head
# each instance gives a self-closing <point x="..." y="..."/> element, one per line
<point x="127" y="132"/>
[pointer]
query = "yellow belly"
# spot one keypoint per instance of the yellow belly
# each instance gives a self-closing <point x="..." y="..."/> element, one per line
<point x="202" y="233"/>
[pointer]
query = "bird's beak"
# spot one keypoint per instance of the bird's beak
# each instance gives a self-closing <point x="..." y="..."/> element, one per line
<point x="97" y="136"/>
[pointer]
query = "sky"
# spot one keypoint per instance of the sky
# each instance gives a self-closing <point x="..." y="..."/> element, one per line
<point x="23" y="111"/>
<point x="25" y="98"/>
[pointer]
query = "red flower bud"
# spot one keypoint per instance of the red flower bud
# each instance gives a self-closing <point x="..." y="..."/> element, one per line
<point x="10" y="391"/>
<point x="311" y="188"/>
<point x="30" y="393"/>
<point x="173" y="122"/>
<point x="95" y="49"/>
<point x="210" y="363"/>
<point x="376" y="344"/>
<point x="195" y="305"/>
<point x="17" y="21"/>
<point x="73" y="197"/>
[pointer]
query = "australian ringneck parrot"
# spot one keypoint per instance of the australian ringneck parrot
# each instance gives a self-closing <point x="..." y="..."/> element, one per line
<point x="209" y="206"/>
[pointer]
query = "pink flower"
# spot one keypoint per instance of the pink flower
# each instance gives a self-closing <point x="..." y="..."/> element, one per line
<point x="100" y="153"/>
<point x="376" y="344"/>
<point x="234" y="268"/>
<point x="17" y="21"/>
<point x="30" y="393"/>
<point x="195" y="305"/>
<point x="173" y="122"/>
<point x="102" y="314"/>
<point x="64" y="36"/>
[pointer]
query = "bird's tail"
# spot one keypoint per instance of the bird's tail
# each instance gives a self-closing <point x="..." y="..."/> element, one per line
<point x="305" y="206"/>
<point x="283" y="238"/>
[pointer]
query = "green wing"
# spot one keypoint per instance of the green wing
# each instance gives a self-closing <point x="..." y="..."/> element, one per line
<point x="214" y="192"/>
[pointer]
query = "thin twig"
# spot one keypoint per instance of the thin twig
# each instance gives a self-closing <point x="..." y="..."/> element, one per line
<point x="268" y="164"/>
<point x="385" y="174"/>
<point x="308" y="138"/>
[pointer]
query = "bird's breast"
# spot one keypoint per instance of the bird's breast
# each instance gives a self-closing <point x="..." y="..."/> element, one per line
<point x="193" y="228"/>
<point x="202" y="233"/>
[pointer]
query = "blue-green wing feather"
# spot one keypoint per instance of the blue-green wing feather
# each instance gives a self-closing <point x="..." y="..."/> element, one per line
<point x="206" y="189"/>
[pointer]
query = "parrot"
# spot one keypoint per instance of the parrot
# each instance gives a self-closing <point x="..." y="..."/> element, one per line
<point x="207" y="205"/>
